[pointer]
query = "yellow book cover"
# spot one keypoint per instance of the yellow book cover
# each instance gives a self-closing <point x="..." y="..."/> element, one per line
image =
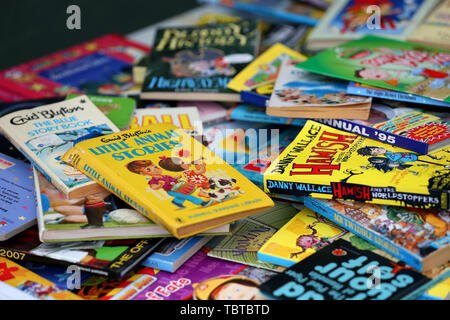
<point x="169" y="177"/>
<point x="324" y="162"/>
<point x="299" y="238"/>
<point x="32" y="284"/>
<point x="264" y="69"/>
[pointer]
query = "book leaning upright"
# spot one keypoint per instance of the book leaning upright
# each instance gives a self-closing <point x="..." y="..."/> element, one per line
<point x="43" y="134"/>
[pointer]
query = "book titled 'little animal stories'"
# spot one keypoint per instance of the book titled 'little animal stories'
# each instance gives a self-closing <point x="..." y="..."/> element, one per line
<point x="169" y="177"/>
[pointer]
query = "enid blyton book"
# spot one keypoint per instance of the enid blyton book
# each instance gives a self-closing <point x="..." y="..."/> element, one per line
<point x="350" y="19"/>
<point x="100" y="66"/>
<point x="301" y="236"/>
<point x="111" y="258"/>
<point x="32" y="284"/>
<point x="324" y="162"/>
<point x="250" y="233"/>
<point x="420" y="130"/>
<point x="387" y="63"/>
<point x="418" y="237"/>
<point x="196" y="63"/>
<point x="46" y="132"/>
<point x="301" y="94"/>
<point x="17" y="197"/>
<point x="96" y="216"/>
<point x="169" y="177"/>
<point x="341" y="271"/>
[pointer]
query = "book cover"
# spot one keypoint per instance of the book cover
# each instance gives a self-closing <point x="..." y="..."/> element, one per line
<point x="210" y="112"/>
<point x="169" y="177"/>
<point x="303" y="94"/>
<point x="196" y="63"/>
<point x="118" y="109"/>
<point x="186" y="118"/>
<point x="17" y="197"/>
<point x="199" y="278"/>
<point x="100" y="66"/>
<point x="301" y="236"/>
<point x="340" y="271"/>
<point x="435" y="30"/>
<point x="45" y="133"/>
<point x="8" y="292"/>
<point x="323" y="162"/>
<point x="351" y="19"/>
<point x="111" y="258"/>
<point x="387" y="63"/>
<point x="417" y="237"/>
<point x="31" y="284"/>
<point x="172" y="253"/>
<point x="97" y="216"/>
<point x="249" y="234"/>
<point x="414" y="129"/>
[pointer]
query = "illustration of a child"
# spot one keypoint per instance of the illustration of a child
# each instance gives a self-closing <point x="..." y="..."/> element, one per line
<point x="180" y="190"/>
<point x="227" y="288"/>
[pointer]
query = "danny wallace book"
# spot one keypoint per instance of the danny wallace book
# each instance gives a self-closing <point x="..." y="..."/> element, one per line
<point x="416" y="236"/>
<point x="169" y="177"/>
<point x="340" y="271"/>
<point x="43" y="134"/>
<point x="324" y="162"/>
<point x="196" y="63"/>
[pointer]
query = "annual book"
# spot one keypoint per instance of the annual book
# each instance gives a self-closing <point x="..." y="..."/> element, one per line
<point x="323" y="162"/>
<point x="196" y="63"/>
<point x="169" y="177"/>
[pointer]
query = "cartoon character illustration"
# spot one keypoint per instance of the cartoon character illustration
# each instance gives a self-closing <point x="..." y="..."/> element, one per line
<point x="229" y="287"/>
<point x="36" y="289"/>
<point x="222" y="188"/>
<point x="180" y="190"/>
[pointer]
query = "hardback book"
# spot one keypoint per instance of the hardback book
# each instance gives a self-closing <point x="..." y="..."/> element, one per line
<point x="323" y="162"/>
<point x="303" y="235"/>
<point x="111" y="258"/>
<point x="30" y="284"/>
<point x="360" y="89"/>
<point x="43" y="134"/>
<point x="417" y="237"/>
<point x="435" y="29"/>
<point x="99" y="66"/>
<point x="386" y="63"/>
<point x="172" y="253"/>
<point x="275" y="10"/>
<point x="186" y="118"/>
<point x="118" y="109"/>
<point x="340" y="271"/>
<point x="199" y="278"/>
<point x="17" y="196"/>
<point x="196" y="63"/>
<point x="250" y="233"/>
<point x="351" y="19"/>
<point x="97" y="216"/>
<point x="210" y="112"/>
<point x="413" y="129"/>
<point x="301" y="94"/>
<point x="169" y="177"/>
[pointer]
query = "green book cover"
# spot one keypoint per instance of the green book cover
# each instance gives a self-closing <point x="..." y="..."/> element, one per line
<point x="249" y="234"/>
<point x="386" y="63"/>
<point x="118" y="109"/>
<point x="198" y="62"/>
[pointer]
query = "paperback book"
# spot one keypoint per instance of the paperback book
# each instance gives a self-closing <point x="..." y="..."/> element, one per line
<point x="340" y="271"/>
<point x="418" y="237"/>
<point x="169" y="177"/>
<point x="323" y="162"/>
<point x="17" y="197"/>
<point x="301" y="94"/>
<point x="301" y="236"/>
<point x="196" y="63"/>
<point x="43" y="134"/>
<point x="386" y="63"/>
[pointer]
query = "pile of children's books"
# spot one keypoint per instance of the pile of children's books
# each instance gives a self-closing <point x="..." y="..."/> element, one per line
<point x="300" y="151"/>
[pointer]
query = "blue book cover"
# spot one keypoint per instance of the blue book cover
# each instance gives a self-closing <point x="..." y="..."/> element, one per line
<point x="254" y="98"/>
<point x="244" y="112"/>
<point x="172" y="253"/>
<point x="17" y="197"/>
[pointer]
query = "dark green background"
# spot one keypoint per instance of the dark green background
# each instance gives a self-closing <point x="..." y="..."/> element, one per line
<point x="30" y="29"/>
